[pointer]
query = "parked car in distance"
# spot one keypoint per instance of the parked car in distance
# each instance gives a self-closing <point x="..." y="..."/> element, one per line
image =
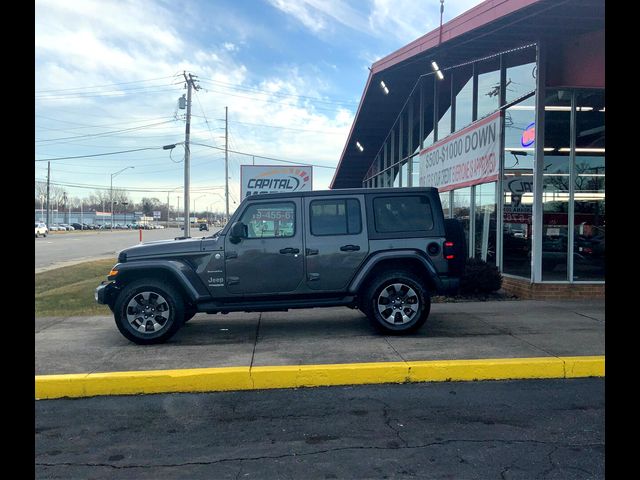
<point x="204" y="227"/>
<point x="54" y="228"/>
<point x="41" y="229"/>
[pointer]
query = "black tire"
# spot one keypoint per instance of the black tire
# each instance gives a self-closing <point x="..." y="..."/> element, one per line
<point x="169" y="306"/>
<point x="412" y="307"/>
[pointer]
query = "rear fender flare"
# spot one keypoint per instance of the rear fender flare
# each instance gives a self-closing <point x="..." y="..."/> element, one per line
<point x="412" y="255"/>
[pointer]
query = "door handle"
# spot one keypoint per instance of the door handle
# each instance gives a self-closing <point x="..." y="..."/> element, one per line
<point x="289" y="250"/>
<point x="350" y="248"/>
<point x="312" y="251"/>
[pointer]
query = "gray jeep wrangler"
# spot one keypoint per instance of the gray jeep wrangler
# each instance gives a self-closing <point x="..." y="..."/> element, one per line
<point x="383" y="251"/>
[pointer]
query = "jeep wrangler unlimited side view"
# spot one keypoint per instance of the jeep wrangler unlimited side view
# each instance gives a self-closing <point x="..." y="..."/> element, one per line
<point x="383" y="251"/>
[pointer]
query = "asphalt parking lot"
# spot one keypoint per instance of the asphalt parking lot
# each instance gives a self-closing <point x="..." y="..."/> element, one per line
<point x="543" y="429"/>
<point x="466" y="330"/>
<point x="64" y="248"/>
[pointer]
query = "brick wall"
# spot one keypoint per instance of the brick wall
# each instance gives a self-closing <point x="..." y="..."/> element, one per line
<point x="551" y="291"/>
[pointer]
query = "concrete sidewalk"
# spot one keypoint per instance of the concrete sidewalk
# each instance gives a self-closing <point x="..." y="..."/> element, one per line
<point x="454" y="331"/>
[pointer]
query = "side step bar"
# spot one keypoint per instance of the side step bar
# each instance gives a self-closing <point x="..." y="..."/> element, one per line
<point x="274" y="305"/>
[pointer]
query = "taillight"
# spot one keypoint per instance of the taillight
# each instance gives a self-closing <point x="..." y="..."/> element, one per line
<point x="448" y="250"/>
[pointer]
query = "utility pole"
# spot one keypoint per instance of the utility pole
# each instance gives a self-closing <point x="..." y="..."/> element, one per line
<point x="226" y="159"/>
<point x="168" y="209"/>
<point x="187" y="153"/>
<point x="48" y="182"/>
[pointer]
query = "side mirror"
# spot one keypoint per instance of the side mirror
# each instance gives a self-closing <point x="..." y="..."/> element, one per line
<point x="238" y="231"/>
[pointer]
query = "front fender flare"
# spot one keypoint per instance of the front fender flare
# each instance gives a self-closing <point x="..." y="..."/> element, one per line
<point x="178" y="271"/>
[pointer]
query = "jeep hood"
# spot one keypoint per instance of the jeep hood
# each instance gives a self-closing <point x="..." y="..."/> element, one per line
<point x="162" y="247"/>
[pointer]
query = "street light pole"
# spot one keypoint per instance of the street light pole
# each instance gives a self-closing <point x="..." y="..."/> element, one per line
<point x="111" y="193"/>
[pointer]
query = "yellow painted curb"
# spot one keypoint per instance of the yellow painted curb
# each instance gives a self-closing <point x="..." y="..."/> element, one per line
<point x="246" y="378"/>
<point x="323" y="375"/>
<point x="576" y="367"/>
<point x="486" y="369"/>
<point x="154" y="381"/>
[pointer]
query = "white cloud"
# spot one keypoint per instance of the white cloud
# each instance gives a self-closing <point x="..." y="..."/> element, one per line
<point x="319" y="15"/>
<point x="230" y="47"/>
<point x="400" y="20"/>
<point x="88" y="43"/>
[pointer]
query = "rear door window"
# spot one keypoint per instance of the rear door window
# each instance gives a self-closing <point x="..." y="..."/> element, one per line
<point x="407" y="213"/>
<point x="335" y="217"/>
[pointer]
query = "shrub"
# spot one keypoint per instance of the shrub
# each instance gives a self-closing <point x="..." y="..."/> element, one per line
<point x="480" y="277"/>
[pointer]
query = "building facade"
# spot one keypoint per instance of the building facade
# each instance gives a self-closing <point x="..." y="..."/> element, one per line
<point x="503" y="110"/>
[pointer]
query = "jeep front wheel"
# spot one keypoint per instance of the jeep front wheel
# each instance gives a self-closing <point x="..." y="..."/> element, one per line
<point x="397" y="303"/>
<point x="147" y="312"/>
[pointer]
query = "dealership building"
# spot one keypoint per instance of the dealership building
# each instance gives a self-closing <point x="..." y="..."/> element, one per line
<point x="503" y="110"/>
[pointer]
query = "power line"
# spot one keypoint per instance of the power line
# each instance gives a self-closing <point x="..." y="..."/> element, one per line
<point x="85" y="125"/>
<point x="254" y="99"/>
<point x="205" y="117"/>
<point x="114" y="93"/>
<point x="97" y="154"/>
<point x="278" y="94"/>
<point x="104" y="134"/>
<point x="127" y="189"/>
<point x="287" y="128"/>
<point x="267" y="158"/>
<point x="105" y="85"/>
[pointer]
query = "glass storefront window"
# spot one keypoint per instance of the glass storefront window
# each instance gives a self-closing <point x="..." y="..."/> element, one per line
<point x="485" y="218"/>
<point x="555" y="186"/>
<point x="518" y="188"/>
<point x="444" y="124"/>
<point x="444" y="106"/>
<point x="463" y="85"/>
<point x="444" y="200"/>
<point x="521" y="73"/>
<point x="589" y="190"/>
<point x="428" y="141"/>
<point x="462" y="208"/>
<point x="428" y="94"/>
<point x="404" y="170"/>
<point x="415" y="174"/>
<point x="488" y="86"/>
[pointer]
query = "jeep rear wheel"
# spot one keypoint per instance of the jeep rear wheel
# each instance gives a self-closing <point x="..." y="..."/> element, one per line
<point x="148" y="312"/>
<point x="397" y="303"/>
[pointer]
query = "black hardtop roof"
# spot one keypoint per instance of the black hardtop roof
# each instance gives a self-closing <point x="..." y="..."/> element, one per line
<point x="344" y="191"/>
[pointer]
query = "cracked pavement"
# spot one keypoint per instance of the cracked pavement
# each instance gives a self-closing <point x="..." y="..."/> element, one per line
<point x="535" y="429"/>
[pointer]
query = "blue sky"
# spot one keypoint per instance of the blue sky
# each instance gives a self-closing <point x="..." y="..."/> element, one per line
<point x="108" y="75"/>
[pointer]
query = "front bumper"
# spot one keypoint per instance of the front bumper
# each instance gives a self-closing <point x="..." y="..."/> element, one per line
<point x="105" y="293"/>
